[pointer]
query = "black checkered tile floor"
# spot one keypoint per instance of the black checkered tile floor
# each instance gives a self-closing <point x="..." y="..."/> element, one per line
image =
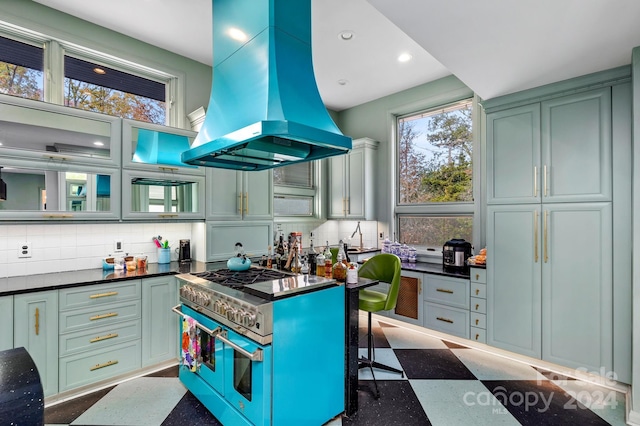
<point x="443" y="384"/>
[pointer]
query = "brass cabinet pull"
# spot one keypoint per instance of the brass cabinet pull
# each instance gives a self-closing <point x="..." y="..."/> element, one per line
<point x="444" y="320"/>
<point x="55" y="157"/>
<point x="344" y="206"/>
<point x="546" y="237"/>
<point x="535" y="181"/>
<point x="477" y="277"/>
<point x="477" y="321"/>
<point x="106" y="364"/>
<point x="109" y="315"/>
<point x="97" y="296"/>
<point x="477" y="291"/>
<point x="444" y="290"/>
<point x="477" y="336"/>
<point x="168" y="169"/>
<point x="58" y="216"/>
<point x="99" y="338"/>
<point x="545" y="180"/>
<point x="477" y="306"/>
<point x="347" y="206"/>
<point x="37" y="321"/>
<point x="246" y="203"/>
<point x="164" y="215"/>
<point x="419" y="286"/>
<point x="535" y="236"/>
<point x="240" y="203"/>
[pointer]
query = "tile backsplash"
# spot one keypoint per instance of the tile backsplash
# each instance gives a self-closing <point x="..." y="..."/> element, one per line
<point x="69" y="247"/>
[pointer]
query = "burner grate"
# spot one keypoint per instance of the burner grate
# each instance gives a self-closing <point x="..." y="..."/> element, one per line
<point x="238" y="279"/>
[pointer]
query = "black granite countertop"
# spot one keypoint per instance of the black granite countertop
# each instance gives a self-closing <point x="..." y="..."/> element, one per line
<point x="58" y="280"/>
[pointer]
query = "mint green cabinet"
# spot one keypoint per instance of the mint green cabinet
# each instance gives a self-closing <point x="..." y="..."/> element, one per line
<point x="159" y="323"/>
<point x="6" y="319"/>
<point x="36" y="329"/>
<point x="513" y="155"/>
<point x="557" y="150"/>
<point x="352" y="181"/>
<point x="577" y="285"/>
<point x="237" y="195"/>
<point x="550" y="282"/>
<point x="514" y="275"/>
<point x="99" y="332"/>
<point x="576" y="147"/>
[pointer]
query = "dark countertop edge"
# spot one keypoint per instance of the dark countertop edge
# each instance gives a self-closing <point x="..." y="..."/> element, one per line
<point x="22" y="284"/>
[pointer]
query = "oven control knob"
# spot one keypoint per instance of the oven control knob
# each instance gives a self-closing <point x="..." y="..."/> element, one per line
<point x="206" y="299"/>
<point x="223" y="308"/>
<point x="217" y="305"/>
<point x="249" y="319"/>
<point x="231" y="313"/>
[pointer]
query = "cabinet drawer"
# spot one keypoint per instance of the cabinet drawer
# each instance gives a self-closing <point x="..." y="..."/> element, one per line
<point x="446" y="319"/>
<point x="96" y="295"/>
<point x="478" y="275"/>
<point x="447" y="291"/>
<point x="478" y="290"/>
<point x="478" y="320"/>
<point x="478" y="305"/>
<point x="478" y="335"/>
<point x="99" y="316"/>
<point x="98" y="338"/>
<point x="89" y="367"/>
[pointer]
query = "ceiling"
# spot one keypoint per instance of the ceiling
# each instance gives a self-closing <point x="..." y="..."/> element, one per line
<point x="495" y="47"/>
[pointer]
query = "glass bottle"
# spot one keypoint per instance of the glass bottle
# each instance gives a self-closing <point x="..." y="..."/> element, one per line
<point x="339" y="269"/>
<point x="328" y="262"/>
<point x="320" y="265"/>
<point x="269" y="258"/>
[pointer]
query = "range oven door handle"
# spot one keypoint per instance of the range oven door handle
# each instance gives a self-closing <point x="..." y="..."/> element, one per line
<point x="255" y="356"/>
<point x="212" y="333"/>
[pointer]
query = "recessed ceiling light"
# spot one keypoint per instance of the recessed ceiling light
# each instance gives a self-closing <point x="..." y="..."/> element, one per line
<point x="237" y="34"/>
<point x="346" y="35"/>
<point x="343" y="82"/>
<point x="99" y="71"/>
<point x="404" y="57"/>
<point x="98" y="143"/>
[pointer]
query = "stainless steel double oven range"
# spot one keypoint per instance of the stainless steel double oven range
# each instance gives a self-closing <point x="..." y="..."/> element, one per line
<point x="270" y="345"/>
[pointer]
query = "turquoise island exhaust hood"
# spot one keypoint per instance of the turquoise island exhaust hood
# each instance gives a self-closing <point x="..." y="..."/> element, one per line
<point x="265" y="110"/>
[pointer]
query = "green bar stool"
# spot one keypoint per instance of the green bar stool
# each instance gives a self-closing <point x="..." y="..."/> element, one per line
<point x="384" y="267"/>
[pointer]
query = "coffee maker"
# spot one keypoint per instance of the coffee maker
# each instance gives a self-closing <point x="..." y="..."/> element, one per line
<point x="184" y="251"/>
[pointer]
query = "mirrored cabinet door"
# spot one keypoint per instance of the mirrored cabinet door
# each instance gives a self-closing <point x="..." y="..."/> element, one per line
<point x="162" y="195"/>
<point x="147" y="146"/>
<point x="41" y="131"/>
<point x="65" y="192"/>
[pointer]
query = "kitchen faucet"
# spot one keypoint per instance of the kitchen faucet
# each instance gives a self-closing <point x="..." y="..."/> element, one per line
<point x="360" y="232"/>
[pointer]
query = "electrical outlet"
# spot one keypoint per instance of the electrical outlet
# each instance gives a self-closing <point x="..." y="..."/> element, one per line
<point x="24" y="249"/>
<point x="381" y="235"/>
<point x="117" y="246"/>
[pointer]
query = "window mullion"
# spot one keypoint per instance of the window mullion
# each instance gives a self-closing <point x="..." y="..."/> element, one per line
<point x="53" y="73"/>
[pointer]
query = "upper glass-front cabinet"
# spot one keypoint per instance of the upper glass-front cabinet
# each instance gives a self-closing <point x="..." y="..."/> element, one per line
<point x="58" y="191"/>
<point x="147" y="146"/>
<point x="156" y="195"/>
<point x="37" y="130"/>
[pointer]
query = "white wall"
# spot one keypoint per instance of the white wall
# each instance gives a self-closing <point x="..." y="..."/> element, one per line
<point x="69" y="247"/>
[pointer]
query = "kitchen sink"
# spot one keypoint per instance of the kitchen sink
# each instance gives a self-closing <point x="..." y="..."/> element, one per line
<point x="364" y="249"/>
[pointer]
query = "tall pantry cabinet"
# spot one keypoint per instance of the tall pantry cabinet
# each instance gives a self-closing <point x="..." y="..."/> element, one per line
<point x="549" y="230"/>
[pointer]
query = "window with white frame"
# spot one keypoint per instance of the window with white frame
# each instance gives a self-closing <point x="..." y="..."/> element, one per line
<point x="89" y="81"/>
<point x="21" y="69"/>
<point x="435" y="175"/>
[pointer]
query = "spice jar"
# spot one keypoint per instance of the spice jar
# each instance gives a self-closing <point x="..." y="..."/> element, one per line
<point x="352" y="274"/>
<point x="141" y="262"/>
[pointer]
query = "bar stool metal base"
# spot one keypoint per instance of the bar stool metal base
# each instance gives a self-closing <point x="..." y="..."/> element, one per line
<point x="370" y="361"/>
